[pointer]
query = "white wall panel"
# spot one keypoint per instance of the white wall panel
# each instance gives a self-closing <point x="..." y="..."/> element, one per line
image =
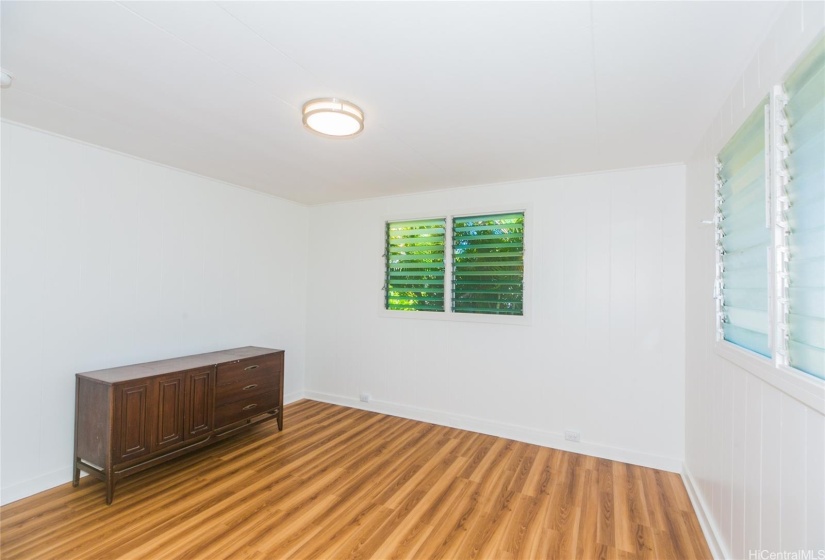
<point x="793" y="466"/>
<point x="723" y="489"/>
<point x="753" y="464"/>
<point x="815" y="481"/>
<point x="771" y="538"/>
<point x="753" y="453"/>
<point x="603" y="352"/>
<point x="109" y="260"/>
<point x="739" y="440"/>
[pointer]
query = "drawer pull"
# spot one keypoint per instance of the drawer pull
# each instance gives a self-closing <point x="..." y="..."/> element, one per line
<point x="250" y="406"/>
<point x="247" y="368"/>
<point x="248" y="387"/>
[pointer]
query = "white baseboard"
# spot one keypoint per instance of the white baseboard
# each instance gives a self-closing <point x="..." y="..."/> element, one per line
<point x="294" y="396"/>
<point x="63" y="475"/>
<point x="37" y="484"/>
<point x="519" y="433"/>
<point x="709" y="528"/>
<point x="510" y="431"/>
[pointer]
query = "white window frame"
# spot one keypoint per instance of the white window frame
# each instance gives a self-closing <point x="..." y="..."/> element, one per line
<point x="525" y="319"/>
<point x="775" y="370"/>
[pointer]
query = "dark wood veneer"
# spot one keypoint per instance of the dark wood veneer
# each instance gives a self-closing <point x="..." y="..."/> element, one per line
<point x="133" y="417"/>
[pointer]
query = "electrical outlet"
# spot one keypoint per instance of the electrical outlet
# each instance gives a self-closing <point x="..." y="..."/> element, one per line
<point x="365" y="397"/>
<point x="572" y="435"/>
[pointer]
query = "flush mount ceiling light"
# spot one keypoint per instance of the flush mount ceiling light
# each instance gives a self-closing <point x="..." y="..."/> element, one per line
<point x="333" y="117"/>
<point x="6" y="78"/>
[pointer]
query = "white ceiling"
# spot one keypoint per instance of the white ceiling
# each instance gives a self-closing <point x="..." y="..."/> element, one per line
<point x="455" y="94"/>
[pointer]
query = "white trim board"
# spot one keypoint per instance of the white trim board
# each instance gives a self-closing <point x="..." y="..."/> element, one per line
<point x="509" y="431"/>
<point x="63" y="475"/>
<point x="711" y="532"/>
<point x="807" y="389"/>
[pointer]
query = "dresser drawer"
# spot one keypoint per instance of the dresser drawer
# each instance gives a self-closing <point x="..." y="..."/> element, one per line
<point x="253" y="405"/>
<point x="253" y="385"/>
<point x="250" y="370"/>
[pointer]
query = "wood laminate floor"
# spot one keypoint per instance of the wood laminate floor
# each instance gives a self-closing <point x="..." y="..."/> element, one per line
<point x="344" y="483"/>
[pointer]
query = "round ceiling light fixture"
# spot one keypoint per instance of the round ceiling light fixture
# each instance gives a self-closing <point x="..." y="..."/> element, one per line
<point x="333" y="117"/>
<point x="6" y="78"/>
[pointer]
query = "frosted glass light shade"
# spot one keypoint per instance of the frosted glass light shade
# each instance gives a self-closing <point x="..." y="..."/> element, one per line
<point x="333" y="117"/>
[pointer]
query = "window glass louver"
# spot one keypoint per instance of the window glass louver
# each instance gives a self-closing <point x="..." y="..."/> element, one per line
<point x="488" y="264"/>
<point x="415" y="265"/>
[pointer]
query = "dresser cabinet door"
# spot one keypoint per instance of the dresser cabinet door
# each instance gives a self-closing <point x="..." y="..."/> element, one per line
<point x="199" y="397"/>
<point x="133" y="419"/>
<point x="170" y="400"/>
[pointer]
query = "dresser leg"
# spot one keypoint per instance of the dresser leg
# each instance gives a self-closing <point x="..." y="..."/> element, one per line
<point x="281" y="419"/>
<point x="110" y="491"/>
<point x="76" y="474"/>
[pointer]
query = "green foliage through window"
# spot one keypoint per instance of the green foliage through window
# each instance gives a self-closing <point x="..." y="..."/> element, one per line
<point x="488" y="264"/>
<point x="415" y="265"/>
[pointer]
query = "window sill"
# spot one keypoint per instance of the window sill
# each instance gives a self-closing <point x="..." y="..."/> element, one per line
<point x="804" y="388"/>
<point x="523" y="320"/>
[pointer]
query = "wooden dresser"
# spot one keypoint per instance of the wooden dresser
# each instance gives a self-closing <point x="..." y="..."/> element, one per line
<point x="130" y="418"/>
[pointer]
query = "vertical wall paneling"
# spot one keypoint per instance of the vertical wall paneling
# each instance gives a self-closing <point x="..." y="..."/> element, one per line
<point x="756" y="460"/>
<point x="815" y="482"/>
<point x="738" y="451"/>
<point x="793" y="468"/>
<point x="723" y="487"/>
<point x="771" y="475"/>
<point x="752" y="491"/>
<point x="602" y="352"/>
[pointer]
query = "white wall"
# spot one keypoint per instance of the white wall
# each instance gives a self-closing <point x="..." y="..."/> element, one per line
<point x="604" y="353"/>
<point x="109" y="260"/>
<point x="755" y="455"/>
